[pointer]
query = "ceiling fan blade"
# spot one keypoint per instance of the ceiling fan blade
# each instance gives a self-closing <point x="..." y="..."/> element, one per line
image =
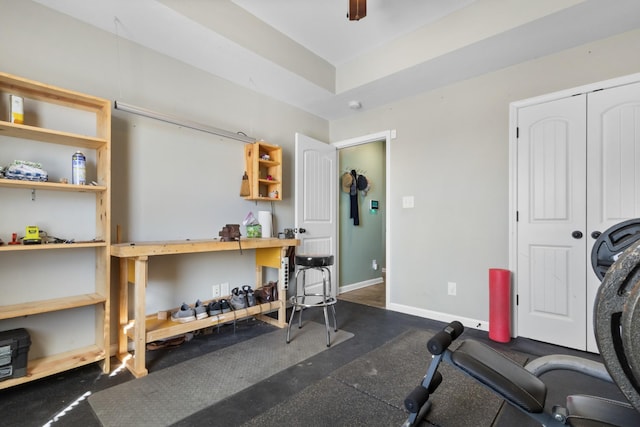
<point x="357" y="9"/>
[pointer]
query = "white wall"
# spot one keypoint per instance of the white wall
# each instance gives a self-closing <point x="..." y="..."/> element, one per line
<point x="168" y="182"/>
<point x="451" y="154"/>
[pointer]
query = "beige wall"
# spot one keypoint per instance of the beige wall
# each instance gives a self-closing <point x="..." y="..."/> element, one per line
<point x="451" y="154"/>
<point x="168" y="182"/>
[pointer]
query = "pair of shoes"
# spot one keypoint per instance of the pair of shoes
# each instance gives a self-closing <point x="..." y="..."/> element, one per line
<point x="184" y="314"/>
<point x="225" y="306"/>
<point x="242" y="298"/>
<point x="200" y="310"/>
<point x="168" y="343"/>
<point x="238" y="299"/>
<point x="250" y="295"/>
<point x="267" y="292"/>
<point x="218" y="307"/>
<point x="214" y="308"/>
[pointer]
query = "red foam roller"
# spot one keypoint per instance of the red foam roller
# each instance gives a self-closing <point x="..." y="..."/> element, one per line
<point x="499" y="305"/>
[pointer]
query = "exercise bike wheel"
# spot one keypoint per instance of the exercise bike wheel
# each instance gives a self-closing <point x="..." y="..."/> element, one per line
<point x="618" y="289"/>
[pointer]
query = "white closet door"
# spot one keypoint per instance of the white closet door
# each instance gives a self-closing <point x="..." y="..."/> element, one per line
<point x="613" y="178"/>
<point x="551" y="212"/>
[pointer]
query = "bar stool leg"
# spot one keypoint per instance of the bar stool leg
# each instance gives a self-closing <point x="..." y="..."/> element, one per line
<point x="324" y="302"/>
<point x="333" y="307"/>
<point x="295" y="304"/>
<point x="326" y="324"/>
<point x="293" y="312"/>
<point x="303" y="293"/>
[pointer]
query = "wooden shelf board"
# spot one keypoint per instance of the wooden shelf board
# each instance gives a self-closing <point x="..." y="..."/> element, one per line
<point x="133" y="249"/>
<point x="44" y="92"/>
<point x="268" y="163"/>
<point x="51" y="186"/>
<point x="158" y="329"/>
<point x="265" y="199"/>
<point x="40" y="368"/>
<point x="268" y="181"/>
<point x="49" y="305"/>
<point x="50" y="136"/>
<point x="52" y="246"/>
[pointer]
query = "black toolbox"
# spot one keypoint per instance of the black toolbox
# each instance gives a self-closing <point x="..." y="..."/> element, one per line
<point x="14" y="348"/>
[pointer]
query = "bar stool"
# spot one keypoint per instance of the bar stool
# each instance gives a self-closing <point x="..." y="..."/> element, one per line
<point x="319" y="263"/>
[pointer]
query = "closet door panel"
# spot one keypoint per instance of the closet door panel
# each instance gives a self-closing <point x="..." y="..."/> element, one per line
<point x="613" y="165"/>
<point x="551" y="207"/>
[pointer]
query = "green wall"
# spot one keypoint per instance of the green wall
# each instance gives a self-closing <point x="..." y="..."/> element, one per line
<point x="360" y="245"/>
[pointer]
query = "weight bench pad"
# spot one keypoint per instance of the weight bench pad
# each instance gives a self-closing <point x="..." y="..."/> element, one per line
<point x="501" y="374"/>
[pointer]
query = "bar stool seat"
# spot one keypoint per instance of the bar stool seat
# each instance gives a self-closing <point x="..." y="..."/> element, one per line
<point x="325" y="299"/>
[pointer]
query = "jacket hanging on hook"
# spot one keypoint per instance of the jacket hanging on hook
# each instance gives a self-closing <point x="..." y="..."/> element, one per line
<point x="353" y="196"/>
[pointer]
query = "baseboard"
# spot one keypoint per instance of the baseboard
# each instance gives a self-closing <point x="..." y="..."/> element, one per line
<point x="360" y="285"/>
<point x="482" y="325"/>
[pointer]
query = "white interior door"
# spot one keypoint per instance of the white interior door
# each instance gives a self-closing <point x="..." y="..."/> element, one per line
<point x="613" y="165"/>
<point x="551" y="205"/>
<point x="316" y="210"/>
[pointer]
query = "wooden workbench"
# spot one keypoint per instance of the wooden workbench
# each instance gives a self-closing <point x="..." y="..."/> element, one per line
<point x="134" y="268"/>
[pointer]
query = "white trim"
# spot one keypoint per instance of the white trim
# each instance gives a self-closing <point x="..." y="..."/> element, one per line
<point x="513" y="169"/>
<point x="359" y="140"/>
<point x="605" y="84"/>
<point x="513" y="206"/>
<point x="481" y="325"/>
<point x="360" y="285"/>
<point x="387" y="136"/>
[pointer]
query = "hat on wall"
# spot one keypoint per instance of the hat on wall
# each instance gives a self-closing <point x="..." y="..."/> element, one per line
<point x="347" y="180"/>
<point x="363" y="184"/>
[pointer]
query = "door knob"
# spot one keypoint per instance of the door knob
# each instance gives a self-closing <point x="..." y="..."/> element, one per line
<point x="577" y="234"/>
<point x="596" y="234"/>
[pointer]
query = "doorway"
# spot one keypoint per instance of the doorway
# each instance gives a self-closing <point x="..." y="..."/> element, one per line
<point x="362" y="250"/>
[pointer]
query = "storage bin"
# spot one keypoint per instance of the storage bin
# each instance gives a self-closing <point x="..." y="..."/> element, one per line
<point x="14" y="349"/>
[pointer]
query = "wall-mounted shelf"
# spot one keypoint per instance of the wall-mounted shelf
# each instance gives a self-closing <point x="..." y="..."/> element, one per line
<point x="263" y="164"/>
<point x="51" y="186"/>
<point x="50" y="305"/>
<point x="50" y="136"/>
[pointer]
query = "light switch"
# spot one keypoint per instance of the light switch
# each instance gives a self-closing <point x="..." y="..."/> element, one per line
<point x="407" y="202"/>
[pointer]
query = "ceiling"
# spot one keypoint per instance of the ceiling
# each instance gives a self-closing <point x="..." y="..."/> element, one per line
<point x="308" y="54"/>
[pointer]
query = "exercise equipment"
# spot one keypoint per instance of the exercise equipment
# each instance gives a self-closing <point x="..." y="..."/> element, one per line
<point x="616" y="253"/>
<point x="615" y="258"/>
<point x="499" y="305"/>
<point x="616" y="312"/>
<point x="519" y="386"/>
<point x="610" y="244"/>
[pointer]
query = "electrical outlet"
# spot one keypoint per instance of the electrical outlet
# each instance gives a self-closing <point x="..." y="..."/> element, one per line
<point x="374" y="264"/>
<point x="452" y="288"/>
<point x="224" y="289"/>
<point x="216" y="291"/>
